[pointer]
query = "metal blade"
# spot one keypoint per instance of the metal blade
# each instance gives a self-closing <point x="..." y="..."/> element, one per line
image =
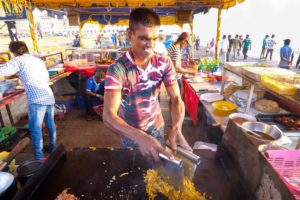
<point x="170" y="171"/>
<point x="190" y="161"/>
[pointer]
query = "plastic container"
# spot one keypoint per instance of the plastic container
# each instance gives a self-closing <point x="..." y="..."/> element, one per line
<point x="224" y="108"/>
<point x="278" y="87"/>
<point x="66" y="101"/>
<point x="80" y="102"/>
<point x="286" y="164"/>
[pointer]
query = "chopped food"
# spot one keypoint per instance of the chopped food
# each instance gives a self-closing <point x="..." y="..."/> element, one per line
<point x="286" y="79"/>
<point x="92" y="148"/>
<point x="66" y="196"/>
<point x="155" y="184"/>
<point x="124" y="174"/>
<point x="289" y="122"/>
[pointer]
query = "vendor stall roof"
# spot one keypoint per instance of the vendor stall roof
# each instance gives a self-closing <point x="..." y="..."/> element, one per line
<point x="192" y="4"/>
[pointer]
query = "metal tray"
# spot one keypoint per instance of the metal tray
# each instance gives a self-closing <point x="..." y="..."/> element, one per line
<point x="270" y="119"/>
<point x="256" y="72"/>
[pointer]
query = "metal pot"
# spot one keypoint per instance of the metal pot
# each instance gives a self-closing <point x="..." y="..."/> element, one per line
<point x="27" y="169"/>
<point x="262" y="129"/>
<point x="6" y="181"/>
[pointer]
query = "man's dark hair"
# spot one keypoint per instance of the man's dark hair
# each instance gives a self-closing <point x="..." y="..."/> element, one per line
<point x="18" y="47"/>
<point x="143" y="16"/>
<point x="287" y="42"/>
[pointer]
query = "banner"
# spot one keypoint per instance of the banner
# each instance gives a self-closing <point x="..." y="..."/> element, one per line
<point x="12" y="12"/>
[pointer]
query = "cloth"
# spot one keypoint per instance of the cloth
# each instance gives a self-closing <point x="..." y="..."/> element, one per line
<point x="236" y="43"/>
<point x="191" y="101"/>
<point x="37" y="114"/>
<point x="156" y="133"/>
<point x="246" y="44"/>
<point x="93" y="86"/>
<point x="34" y="76"/>
<point x="264" y="43"/>
<point x="270" y="43"/>
<point x="76" y="42"/>
<point x="11" y="24"/>
<point x="160" y="49"/>
<point x="140" y="89"/>
<point x="224" y="45"/>
<point x="174" y="53"/>
<point x="285" y="52"/>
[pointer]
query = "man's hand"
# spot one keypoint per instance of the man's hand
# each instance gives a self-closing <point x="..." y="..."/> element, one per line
<point x="150" y="148"/>
<point x="177" y="139"/>
<point x="100" y="97"/>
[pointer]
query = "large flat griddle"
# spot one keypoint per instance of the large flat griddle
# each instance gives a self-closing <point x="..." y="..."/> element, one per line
<point x="89" y="175"/>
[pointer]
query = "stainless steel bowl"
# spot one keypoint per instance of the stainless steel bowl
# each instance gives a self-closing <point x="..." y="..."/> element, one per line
<point x="6" y="179"/>
<point x="260" y="127"/>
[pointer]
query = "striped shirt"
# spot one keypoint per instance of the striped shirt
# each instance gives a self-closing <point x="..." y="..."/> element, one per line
<point x="34" y="76"/>
<point x="175" y="54"/>
<point x="140" y="88"/>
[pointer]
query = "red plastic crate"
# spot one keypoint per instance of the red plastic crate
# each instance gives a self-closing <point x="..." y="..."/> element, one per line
<point x="287" y="164"/>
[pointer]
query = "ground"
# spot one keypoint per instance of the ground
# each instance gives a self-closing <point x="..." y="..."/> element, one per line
<point x="74" y="131"/>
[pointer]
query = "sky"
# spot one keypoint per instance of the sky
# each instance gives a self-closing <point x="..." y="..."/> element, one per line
<point x="256" y="18"/>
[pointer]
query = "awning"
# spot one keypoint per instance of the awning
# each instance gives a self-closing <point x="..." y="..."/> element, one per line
<point x="62" y="4"/>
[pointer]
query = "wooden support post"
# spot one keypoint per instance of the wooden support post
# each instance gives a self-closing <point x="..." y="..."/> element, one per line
<point x="218" y="32"/>
<point x="31" y="27"/>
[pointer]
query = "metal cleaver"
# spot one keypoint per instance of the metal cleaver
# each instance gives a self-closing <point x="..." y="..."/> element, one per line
<point x="173" y="170"/>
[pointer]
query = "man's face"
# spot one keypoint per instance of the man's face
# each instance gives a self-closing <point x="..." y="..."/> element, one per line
<point x="99" y="80"/>
<point x="143" y="40"/>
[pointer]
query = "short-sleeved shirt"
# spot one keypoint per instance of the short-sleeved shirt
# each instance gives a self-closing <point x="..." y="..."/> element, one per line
<point x="34" y="76"/>
<point x="247" y="43"/>
<point x="270" y="43"/>
<point x="285" y="52"/>
<point x="140" y="88"/>
<point x="174" y="53"/>
<point x="93" y="86"/>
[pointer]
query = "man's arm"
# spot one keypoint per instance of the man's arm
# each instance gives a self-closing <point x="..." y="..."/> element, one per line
<point x="94" y="94"/>
<point x="148" y="146"/>
<point x="9" y="68"/>
<point x="177" y="113"/>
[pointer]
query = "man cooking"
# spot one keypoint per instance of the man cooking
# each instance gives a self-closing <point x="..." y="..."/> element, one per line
<point x="34" y="76"/>
<point x="132" y="85"/>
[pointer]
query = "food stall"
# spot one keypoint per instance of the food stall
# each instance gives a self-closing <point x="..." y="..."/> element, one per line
<point x="86" y="61"/>
<point x="251" y="92"/>
<point x="243" y="169"/>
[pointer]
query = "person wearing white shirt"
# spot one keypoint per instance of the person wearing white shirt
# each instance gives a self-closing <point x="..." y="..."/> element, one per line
<point x="270" y="46"/>
<point x="34" y="76"/>
<point x="224" y="45"/>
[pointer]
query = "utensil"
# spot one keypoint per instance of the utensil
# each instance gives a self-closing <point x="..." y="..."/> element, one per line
<point x="247" y="117"/>
<point x="19" y="147"/>
<point x="6" y="179"/>
<point x="190" y="161"/>
<point x="224" y="108"/>
<point x="211" y="97"/>
<point x="260" y="127"/>
<point x="252" y="133"/>
<point x="174" y="170"/>
<point x="171" y="170"/>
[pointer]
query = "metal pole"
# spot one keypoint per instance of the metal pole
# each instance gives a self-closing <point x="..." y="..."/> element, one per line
<point x="80" y="32"/>
<point x="218" y="32"/>
<point x="31" y="27"/>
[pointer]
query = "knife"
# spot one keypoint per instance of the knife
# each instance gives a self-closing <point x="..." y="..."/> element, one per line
<point x="173" y="170"/>
<point x="170" y="170"/>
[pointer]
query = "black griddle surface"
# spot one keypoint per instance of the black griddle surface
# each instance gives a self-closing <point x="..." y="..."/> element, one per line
<point x="89" y="175"/>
